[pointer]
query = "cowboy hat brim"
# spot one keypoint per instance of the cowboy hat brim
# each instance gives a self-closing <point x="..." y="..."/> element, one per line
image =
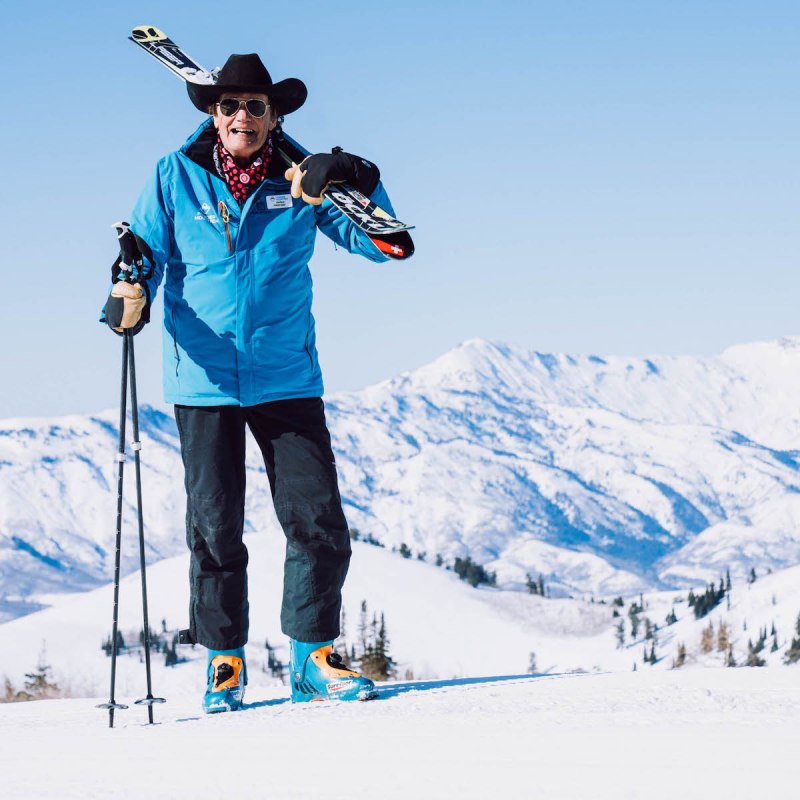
<point x="287" y="95"/>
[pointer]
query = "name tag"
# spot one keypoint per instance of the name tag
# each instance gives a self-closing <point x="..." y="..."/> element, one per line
<point x="279" y="201"/>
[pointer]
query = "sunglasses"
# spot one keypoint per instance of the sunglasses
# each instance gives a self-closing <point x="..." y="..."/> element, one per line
<point x="231" y="106"/>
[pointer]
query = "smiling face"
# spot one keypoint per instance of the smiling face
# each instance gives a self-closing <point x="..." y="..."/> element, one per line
<point x="243" y="135"/>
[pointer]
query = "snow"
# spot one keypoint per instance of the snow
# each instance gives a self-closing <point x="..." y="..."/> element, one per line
<point x="609" y="476"/>
<point x="629" y="736"/>
<point x="585" y="727"/>
<point x="606" y="474"/>
<point x="438" y="626"/>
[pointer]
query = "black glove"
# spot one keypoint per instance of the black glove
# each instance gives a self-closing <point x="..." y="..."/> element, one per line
<point x="128" y="305"/>
<point x="311" y="177"/>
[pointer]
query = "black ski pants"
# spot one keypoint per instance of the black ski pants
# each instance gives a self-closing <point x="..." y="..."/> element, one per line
<point x="296" y="447"/>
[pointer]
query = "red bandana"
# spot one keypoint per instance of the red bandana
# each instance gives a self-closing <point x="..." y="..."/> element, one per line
<point x="243" y="182"/>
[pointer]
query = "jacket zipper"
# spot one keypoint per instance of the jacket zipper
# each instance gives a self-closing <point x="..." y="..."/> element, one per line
<point x="223" y="209"/>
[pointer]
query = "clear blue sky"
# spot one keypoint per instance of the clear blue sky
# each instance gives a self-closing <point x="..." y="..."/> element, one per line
<point x="593" y="177"/>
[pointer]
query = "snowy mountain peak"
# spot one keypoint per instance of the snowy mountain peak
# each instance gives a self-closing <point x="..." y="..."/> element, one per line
<point x="603" y="474"/>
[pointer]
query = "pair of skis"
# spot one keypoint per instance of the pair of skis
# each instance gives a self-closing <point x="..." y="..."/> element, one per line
<point x="387" y="233"/>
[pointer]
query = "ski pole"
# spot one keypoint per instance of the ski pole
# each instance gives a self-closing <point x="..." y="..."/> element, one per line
<point x="111" y="705"/>
<point x="136" y="445"/>
<point x="129" y="257"/>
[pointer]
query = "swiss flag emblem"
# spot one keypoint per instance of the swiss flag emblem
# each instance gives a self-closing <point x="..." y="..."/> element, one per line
<point x="391" y="249"/>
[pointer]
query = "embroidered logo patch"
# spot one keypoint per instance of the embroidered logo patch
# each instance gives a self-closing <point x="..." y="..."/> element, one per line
<point x="205" y="212"/>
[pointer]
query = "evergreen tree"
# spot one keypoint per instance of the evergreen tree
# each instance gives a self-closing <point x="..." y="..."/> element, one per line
<point x="792" y="655"/>
<point x="473" y="573"/>
<point x="753" y="577"/>
<point x="620" y="635"/>
<point x="681" y="658"/>
<point x="274" y="666"/>
<point x="730" y="661"/>
<point x="405" y="550"/>
<point x="707" y="602"/>
<point x="38" y="683"/>
<point x="671" y="617"/>
<point x="532" y="664"/>
<point x="753" y="658"/>
<point x="376" y="663"/>
<point x="171" y="653"/>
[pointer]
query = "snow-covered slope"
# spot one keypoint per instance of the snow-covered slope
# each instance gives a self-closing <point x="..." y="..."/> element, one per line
<point x="659" y="736"/>
<point x="475" y="726"/>
<point x="605" y="474"/>
<point x="438" y="626"/>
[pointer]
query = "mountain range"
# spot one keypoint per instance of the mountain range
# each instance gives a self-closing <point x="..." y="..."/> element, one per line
<point x="604" y="475"/>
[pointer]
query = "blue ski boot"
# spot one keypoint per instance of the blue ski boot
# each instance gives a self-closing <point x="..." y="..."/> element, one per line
<point x="320" y="674"/>
<point x="227" y="677"/>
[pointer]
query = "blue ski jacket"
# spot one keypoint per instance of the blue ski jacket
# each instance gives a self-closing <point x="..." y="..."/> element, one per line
<point x="238" y="327"/>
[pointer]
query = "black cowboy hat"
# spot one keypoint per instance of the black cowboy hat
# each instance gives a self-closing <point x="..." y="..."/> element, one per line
<point x="247" y="73"/>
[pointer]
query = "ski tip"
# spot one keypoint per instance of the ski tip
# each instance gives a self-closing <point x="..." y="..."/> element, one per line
<point x="147" y="33"/>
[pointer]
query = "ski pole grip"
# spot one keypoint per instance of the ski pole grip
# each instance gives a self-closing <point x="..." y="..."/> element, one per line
<point x="128" y="249"/>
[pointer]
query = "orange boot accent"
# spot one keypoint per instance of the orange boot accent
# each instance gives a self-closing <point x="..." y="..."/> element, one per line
<point x="320" y="659"/>
<point x="233" y="681"/>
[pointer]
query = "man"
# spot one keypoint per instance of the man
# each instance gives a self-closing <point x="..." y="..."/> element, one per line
<point x="230" y="234"/>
